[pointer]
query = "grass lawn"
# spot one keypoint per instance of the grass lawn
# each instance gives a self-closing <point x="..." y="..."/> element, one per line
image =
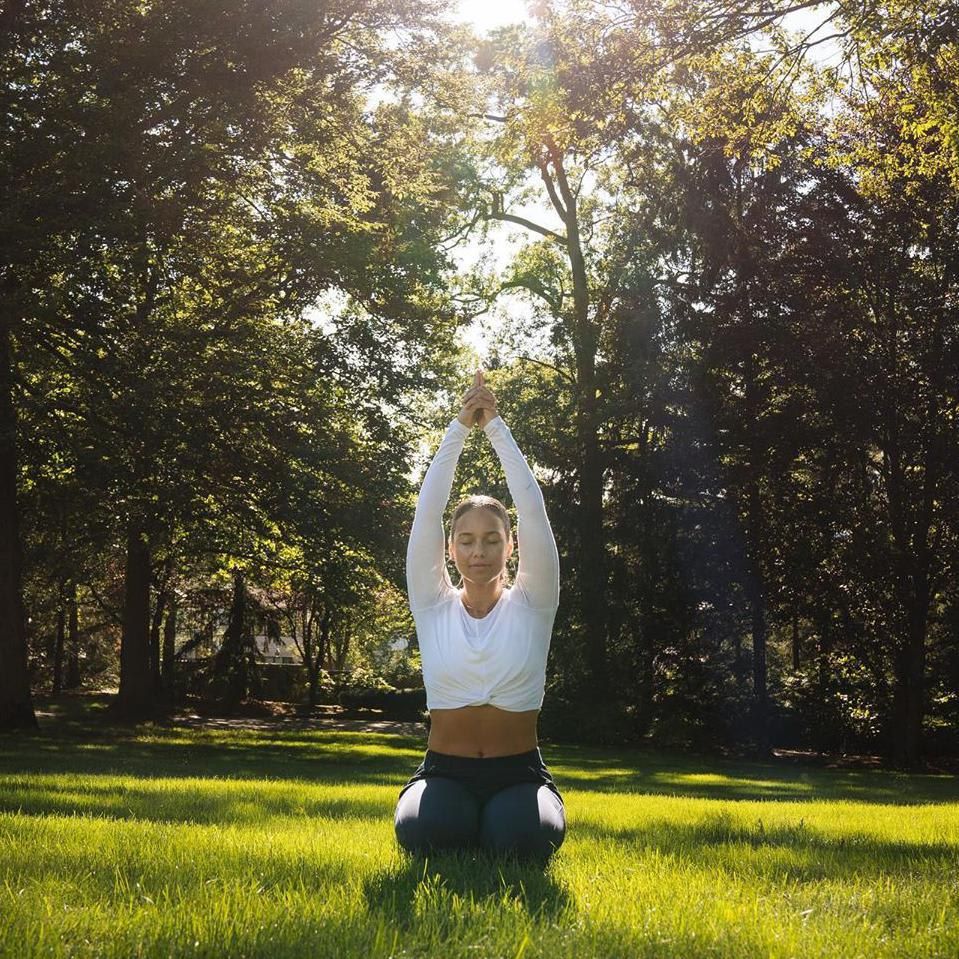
<point x="167" y="841"/>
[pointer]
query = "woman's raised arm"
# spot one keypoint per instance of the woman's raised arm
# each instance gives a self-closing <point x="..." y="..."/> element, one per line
<point x="427" y="578"/>
<point x="537" y="577"/>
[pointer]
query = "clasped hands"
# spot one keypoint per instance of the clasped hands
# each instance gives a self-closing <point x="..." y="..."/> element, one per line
<point x="479" y="404"/>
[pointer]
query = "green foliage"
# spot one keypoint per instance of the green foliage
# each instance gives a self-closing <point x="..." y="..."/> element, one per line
<point x="758" y="342"/>
<point x="170" y="377"/>
<point x="233" y="302"/>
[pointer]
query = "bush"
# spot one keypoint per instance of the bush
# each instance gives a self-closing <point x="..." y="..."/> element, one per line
<point x="570" y="719"/>
<point x="833" y="708"/>
<point x="394" y="703"/>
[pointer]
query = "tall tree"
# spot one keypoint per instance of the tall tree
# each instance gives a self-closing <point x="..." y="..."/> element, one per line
<point x="16" y="704"/>
<point x="194" y="207"/>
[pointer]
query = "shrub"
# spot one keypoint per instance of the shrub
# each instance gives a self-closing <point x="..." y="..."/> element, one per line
<point x="394" y="703"/>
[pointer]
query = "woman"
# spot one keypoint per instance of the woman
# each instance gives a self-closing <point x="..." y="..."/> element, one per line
<point x="483" y="780"/>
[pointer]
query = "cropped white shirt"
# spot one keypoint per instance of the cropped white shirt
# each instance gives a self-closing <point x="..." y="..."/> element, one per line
<point x="501" y="658"/>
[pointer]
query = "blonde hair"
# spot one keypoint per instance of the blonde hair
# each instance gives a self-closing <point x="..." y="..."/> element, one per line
<point x="481" y="501"/>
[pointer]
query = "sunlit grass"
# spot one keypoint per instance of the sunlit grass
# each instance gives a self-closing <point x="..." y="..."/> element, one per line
<point x="174" y="841"/>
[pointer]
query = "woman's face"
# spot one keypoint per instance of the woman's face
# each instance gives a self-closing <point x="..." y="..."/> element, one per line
<point x="479" y="546"/>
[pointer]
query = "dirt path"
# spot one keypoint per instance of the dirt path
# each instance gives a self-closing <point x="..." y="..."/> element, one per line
<point x="89" y="708"/>
<point x="280" y="723"/>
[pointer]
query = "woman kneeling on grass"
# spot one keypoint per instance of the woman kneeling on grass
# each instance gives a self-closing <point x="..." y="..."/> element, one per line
<point x="483" y="780"/>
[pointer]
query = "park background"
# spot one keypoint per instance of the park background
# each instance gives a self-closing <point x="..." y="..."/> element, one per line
<point x="252" y="252"/>
<point x="705" y="249"/>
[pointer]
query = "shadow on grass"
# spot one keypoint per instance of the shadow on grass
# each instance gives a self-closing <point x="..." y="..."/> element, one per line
<point x="434" y="888"/>
<point x="153" y="751"/>
<point x="662" y="773"/>
<point x="82" y="741"/>
<point x="243" y="802"/>
<point x="796" y="850"/>
<point x="245" y="758"/>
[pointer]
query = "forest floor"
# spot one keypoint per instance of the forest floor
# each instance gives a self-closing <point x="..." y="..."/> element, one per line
<point x="202" y="839"/>
<point x="279" y="716"/>
<point x="91" y="707"/>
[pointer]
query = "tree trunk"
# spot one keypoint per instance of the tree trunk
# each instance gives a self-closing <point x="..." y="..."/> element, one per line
<point x="760" y="695"/>
<point x="252" y="676"/>
<point x="326" y="624"/>
<point x="916" y="565"/>
<point x="757" y="600"/>
<point x="313" y="664"/>
<point x="73" y="644"/>
<point x="169" y="654"/>
<point x="756" y="548"/>
<point x="824" y="674"/>
<point x="60" y="640"/>
<point x="341" y="632"/>
<point x="136" y="697"/>
<point x="16" y="703"/>
<point x="156" y="622"/>
<point x="616" y="623"/>
<point x="643" y="645"/>
<point x="230" y="667"/>
<point x="909" y="691"/>
<point x="592" y="570"/>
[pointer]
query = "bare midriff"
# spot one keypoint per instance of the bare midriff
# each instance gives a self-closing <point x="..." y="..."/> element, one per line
<point x="482" y="732"/>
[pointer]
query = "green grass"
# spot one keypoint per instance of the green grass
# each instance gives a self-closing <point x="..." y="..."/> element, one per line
<point x="169" y="841"/>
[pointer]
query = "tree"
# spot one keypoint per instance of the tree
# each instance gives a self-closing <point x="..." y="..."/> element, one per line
<point x="534" y="87"/>
<point x="193" y="208"/>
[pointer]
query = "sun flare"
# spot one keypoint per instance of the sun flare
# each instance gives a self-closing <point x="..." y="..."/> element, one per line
<point x="489" y="14"/>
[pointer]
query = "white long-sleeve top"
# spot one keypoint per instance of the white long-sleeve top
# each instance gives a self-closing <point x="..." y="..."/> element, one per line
<point x="501" y="658"/>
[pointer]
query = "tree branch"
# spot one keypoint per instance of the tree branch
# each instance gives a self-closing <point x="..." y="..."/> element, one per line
<point x="568" y="199"/>
<point x="551" y="190"/>
<point x="115" y="615"/>
<point x="465" y="229"/>
<point x="533" y="284"/>
<point x="530" y="225"/>
<point x="565" y="374"/>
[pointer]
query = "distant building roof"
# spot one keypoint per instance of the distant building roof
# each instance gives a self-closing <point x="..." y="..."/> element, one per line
<point x="281" y="647"/>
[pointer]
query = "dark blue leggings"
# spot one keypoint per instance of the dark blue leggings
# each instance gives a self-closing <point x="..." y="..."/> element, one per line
<point x="507" y="804"/>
